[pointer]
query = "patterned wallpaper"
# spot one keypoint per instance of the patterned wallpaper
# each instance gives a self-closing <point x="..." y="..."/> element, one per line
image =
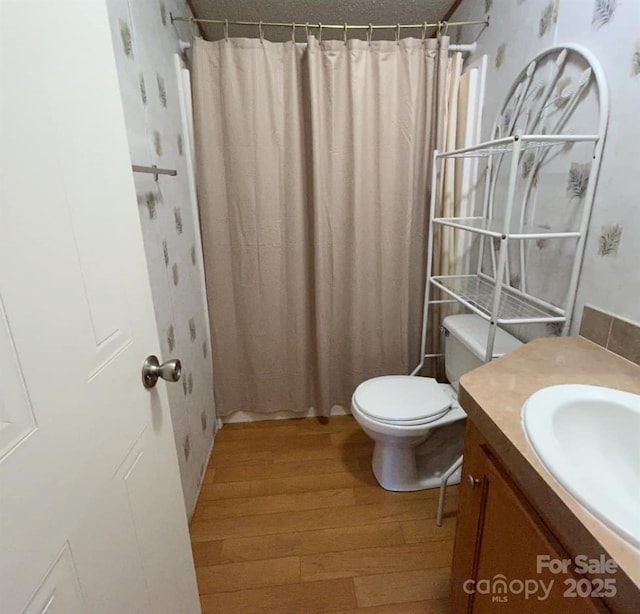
<point x="609" y="28"/>
<point x="145" y="44"/>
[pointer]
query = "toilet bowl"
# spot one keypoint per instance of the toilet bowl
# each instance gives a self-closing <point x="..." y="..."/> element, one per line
<point x="416" y="423"/>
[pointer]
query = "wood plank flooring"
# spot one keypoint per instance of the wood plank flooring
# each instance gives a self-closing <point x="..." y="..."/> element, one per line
<point x="291" y="521"/>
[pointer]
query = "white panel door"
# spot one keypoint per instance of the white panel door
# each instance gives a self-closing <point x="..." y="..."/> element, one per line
<point x="91" y="512"/>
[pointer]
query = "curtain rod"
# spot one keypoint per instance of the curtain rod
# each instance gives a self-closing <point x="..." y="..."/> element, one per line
<point x="344" y="26"/>
<point x="464" y="48"/>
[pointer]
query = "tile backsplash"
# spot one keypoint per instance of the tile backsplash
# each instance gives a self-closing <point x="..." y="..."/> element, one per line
<point x="615" y="334"/>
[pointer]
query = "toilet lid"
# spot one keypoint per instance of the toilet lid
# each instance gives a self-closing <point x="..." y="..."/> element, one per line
<point x="401" y="399"/>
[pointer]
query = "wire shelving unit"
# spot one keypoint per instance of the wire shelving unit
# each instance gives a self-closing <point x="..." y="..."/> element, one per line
<point x="519" y="128"/>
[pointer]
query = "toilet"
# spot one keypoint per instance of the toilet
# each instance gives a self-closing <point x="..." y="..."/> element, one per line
<point x="416" y="423"/>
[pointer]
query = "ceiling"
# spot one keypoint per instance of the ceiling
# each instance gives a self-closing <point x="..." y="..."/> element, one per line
<point x="314" y="11"/>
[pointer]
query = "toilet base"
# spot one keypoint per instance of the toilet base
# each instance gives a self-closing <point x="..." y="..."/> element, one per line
<point x="400" y="465"/>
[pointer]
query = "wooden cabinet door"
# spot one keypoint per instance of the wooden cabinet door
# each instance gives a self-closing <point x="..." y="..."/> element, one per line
<point x="469" y="515"/>
<point x="500" y="537"/>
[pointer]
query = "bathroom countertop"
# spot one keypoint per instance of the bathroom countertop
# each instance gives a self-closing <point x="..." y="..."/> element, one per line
<point x="493" y="395"/>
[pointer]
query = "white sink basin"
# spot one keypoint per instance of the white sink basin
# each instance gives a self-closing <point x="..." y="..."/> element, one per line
<point x="588" y="438"/>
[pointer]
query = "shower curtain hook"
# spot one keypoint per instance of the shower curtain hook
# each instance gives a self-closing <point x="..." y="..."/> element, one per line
<point x="370" y="34"/>
<point x="320" y="32"/>
<point x="261" y="31"/>
<point x="306" y="30"/>
<point x="192" y="25"/>
<point x="446" y="27"/>
<point x="293" y="32"/>
<point x="439" y="29"/>
<point x="226" y="30"/>
<point x="345" y="33"/>
<point x="398" y="34"/>
<point x="424" y="31"/>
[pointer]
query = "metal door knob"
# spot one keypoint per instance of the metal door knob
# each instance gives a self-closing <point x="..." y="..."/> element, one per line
<point x="152" y="370"/>
<point x="472" y="481"/>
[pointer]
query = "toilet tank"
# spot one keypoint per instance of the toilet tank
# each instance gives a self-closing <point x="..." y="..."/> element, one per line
<point x="466" y="342"/>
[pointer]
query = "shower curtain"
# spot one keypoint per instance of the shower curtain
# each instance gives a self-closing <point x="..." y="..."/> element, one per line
<point x="451" y="247"/>
<point x="313" y="167"/>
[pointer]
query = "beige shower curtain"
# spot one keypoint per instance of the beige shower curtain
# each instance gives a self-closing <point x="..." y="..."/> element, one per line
<point x="448" y="256"/>
<point x="312" y="174"/>
<point x="450" y="246"/>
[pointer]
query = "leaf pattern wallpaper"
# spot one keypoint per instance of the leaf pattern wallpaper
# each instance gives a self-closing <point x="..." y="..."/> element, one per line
<point x="162" y="92"/>
<point x="548" y="17"/>
<point x="578" y="180"/>
<point x="145" y="43"/>
<point x="609" y="240"/>
<point x="150" y="201"/>
<point x="157" y="142"/>
<point x="177" y="215"/>
<point x="635" y="60"/>
<point x="518" y="30"/>
<point x="603" y="12"/>
<point x="125" y="36"/>
<point x="554" y="328"/>
<point x="143" y="89"/>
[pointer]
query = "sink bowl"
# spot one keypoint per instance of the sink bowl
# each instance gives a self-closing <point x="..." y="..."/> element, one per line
<point x="588" y="438"/>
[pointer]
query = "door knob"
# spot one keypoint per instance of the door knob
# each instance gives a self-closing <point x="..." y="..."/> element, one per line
<point x="152" y="370"/>
<point x="473" y="481"/>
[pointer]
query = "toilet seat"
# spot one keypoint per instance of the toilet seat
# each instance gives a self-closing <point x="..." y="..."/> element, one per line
<point x="402" y="400"/>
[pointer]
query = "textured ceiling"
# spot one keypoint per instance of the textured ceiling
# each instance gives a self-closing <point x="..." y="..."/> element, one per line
<point x="314" y="11"/>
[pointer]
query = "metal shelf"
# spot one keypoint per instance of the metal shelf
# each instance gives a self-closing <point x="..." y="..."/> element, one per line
<point x="524" y="123"/>
<point x="476" y="293"/>
<point x="525" y="141"/>
<point x="495" y="228"/>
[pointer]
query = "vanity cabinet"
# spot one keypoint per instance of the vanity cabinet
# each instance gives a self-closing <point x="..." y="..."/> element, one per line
<point x="498" y="541"/>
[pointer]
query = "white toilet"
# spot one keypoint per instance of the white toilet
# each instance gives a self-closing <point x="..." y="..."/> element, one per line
<point x="416" y="423"/>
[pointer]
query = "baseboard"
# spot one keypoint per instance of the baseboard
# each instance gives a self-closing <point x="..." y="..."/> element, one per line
<point x="206" y="466"/>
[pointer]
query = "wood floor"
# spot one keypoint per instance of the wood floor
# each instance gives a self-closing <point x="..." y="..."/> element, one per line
<point x="292" y="521"/>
